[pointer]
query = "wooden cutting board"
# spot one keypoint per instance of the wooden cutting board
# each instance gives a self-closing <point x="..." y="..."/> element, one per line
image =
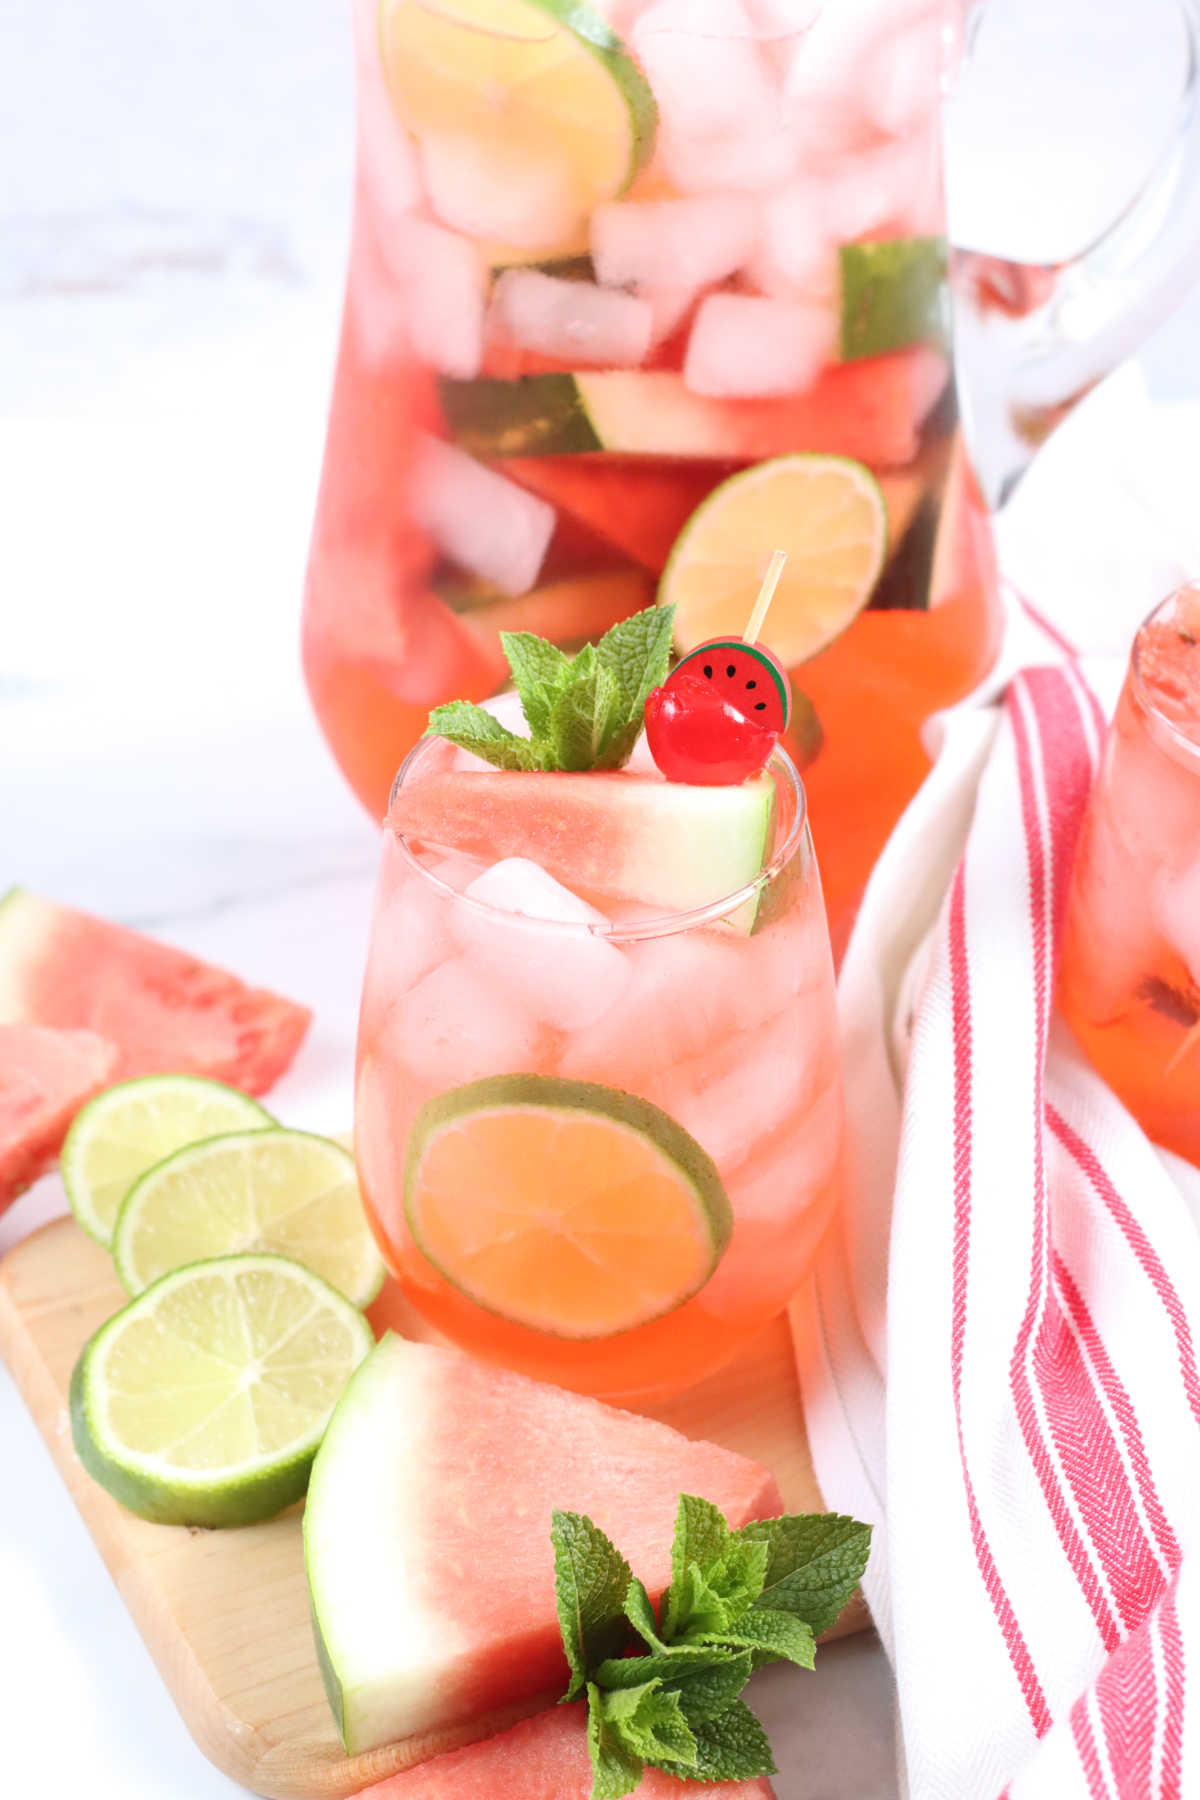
<point x="225" y="1613"/>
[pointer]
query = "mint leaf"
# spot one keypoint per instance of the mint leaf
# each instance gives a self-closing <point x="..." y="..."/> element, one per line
<point x="583" y="719"/>
<point x="638" y="653"/>
<point x="774" y="1637"/>
<point x="732" y="1747"/>
<point x="647" y="1721"/>
<point x="640" y="1613"/>
<point x="616" y="1770"/>
<point x="668" y="1666"/>
<point x="814" y="1563"/>
<point x="701" y="1538"/>
<point x="715" y="1576"/>
<point x="539" y="670"/>
<point x="705" y="1694"/>
<point x="473" y="729"/>
<point x="590" y="1580"/>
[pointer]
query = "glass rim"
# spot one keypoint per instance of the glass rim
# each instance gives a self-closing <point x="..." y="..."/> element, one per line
<point x="665" y="924"/>
<point x="1144" y="693"/>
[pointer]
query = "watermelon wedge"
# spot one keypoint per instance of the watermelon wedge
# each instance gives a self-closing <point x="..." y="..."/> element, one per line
<point x="427" y="1534"/>
<point x="543" y="1758"/>
<point x="167" y="1012"/>
<point x="664" y="843"/>
<point x="45" y="1077"/>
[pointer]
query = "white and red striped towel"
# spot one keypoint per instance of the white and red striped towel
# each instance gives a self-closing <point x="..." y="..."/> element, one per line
<point x="1022" y="1417"/>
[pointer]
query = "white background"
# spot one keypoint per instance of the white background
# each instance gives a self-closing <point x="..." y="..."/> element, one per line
<point x="174" y="186"/>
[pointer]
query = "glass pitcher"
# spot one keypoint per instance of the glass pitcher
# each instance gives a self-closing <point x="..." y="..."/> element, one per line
<point x="643" y="290"/>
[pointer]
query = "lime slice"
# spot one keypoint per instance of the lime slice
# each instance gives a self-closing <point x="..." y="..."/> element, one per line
<point x="278" y="1191"/>
<point x="829" y="515"/>
<point x="563" y="1206"/>
<point x="894" y="293"/>
<point x="127" y="1129"/>
<point x="203" y="1401"/>
<point x="540" y="85"/>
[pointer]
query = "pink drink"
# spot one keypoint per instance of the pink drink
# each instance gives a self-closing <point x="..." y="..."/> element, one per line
<point x="728" y="1031"/>
<point x="772" y="279"/>
<point x="1130" y="982"/>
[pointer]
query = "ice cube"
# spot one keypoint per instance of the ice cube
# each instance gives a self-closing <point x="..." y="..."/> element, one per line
<point x="704" y="64"/>
<point x="686" y="243"/>
<point x="795" y="257"/>
<point x="892" y="187"/>
<point x="409" y="935"/>
<point x="752" y="1085"/>
<point x="442" y="282"/>
<point x="750" y="161"/>
<point x="517" y="885"/>
<point x="746" y="344"/>
<point x="453" y="1028"/>
<point x="575" y="321"/>
<point x="478" y="518"/>
<point x="902" y="76"/>
<point x="488" y="190"/>
<point x="825" y="87"/>
<point x="669" y="308"/>
<point x="688" y="993"/>
<point x="567" y="978"/>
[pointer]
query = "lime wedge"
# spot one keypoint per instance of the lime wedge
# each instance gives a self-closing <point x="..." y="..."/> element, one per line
<point x="564" y="1206"/>
<point x="203" y="1401"/>
<point x="826" y="512"/>
<point x="127" y="1129"/>
<point x="276" y="1191"/>
<point x="541" y="86"/>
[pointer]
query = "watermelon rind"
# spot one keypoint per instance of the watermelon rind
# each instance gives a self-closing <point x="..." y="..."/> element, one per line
<point x="143" y="1483"/>
<point x="562" y="1099"/>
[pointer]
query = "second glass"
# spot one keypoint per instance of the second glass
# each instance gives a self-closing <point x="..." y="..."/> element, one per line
<point x="1130" y="985"/>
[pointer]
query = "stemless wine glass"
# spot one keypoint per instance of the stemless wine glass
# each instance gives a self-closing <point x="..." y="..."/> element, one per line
<point x="1130" y="984"/>
<point x="599" y="1147"/>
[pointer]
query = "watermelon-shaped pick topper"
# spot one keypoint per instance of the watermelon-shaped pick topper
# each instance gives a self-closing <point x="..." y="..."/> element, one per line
<point x="715" y="720"/>
<point x="745" y="675"/>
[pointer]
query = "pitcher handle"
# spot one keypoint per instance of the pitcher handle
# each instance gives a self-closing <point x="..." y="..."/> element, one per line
<point x="1032" y="340"/>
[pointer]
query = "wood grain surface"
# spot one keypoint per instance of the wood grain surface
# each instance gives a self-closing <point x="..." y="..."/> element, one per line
<point x="225" y="1613"/>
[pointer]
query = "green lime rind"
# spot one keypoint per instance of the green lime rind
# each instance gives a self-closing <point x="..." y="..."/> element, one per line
<point x="780" y="682"/>
<point x="598" y="37"/>
<point x="894" y="295"/>
<point x="231" y="1497"/>
<point x="556" y="1094"/>
<point x="729" y="491"/>
<point x="96" y="1203"/>
<point x="533" y="415"/>
<point x="199" y="1231"/>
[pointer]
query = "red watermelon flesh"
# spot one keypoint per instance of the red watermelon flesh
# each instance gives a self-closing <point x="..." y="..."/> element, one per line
<point x="427" y="1532"/>
<point x="45" y="1077"/>
<point x="166" y="1011"/>
<point x="639" y="507"/>
<point x="543" y="1758"/>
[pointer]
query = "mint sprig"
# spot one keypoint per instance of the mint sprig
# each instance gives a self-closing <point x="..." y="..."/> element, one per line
<point x="583" y="712"/>
<point x="737" y="1600"/>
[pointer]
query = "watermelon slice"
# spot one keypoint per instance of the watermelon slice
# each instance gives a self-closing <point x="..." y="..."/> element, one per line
<point x="543" y="1758"/>
<point x="640" y="507"/>
<point x="660" y="842"/>
<point x="871" y="410"/>
<point x="427" y="1534"/>
<point x="45" y="1077"/>
<point x="167" y="1012"/>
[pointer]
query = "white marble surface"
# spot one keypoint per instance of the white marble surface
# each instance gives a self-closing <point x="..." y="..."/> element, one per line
<point x="173" y="206"/>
